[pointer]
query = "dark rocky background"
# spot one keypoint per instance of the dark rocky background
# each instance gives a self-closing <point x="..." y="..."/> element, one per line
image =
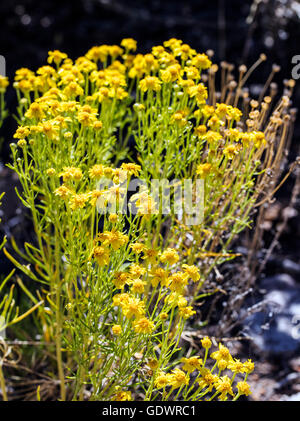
<point x="238" y="31"/>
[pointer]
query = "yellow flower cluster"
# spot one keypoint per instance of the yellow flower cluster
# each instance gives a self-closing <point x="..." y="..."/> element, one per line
<point x="139" y="274"/>
<point x="210" y="383"/>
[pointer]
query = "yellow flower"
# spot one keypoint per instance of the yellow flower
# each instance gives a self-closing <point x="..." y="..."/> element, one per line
<point x="133" y="308"/>
<point x="178" y="281"/>
<point x="116" y="329"/>
<point x="207" y="379"/>
<point x="171" y="73"/>
<point x="222" y="354"/>
<point x="222" y="364"/>
<point x="137" y="247"/>
<point x="201" y="61"/>
<point x="119" y="176"/>
<point x="25" y="85"/>
<point x="101" y="255"/>
<point x="122" y="396"/>
<point x="50" y="171"/>
<point x="136" y="271"/>
<point x="186" y="312"/>
<point x="231" y="151"/>
<point x="221" y="110"/>
<point x="236" y="366"/>
<point x="192" y="271"/>
<point x="169" y="256"/>
<point x="22" y="143"/>
<point x="199" y="92"/>
<point x="162" y="380"/>
<point x="114" y="238"/>
<point x="95" y="195"/>
<point x="258" y="139"/>
<point x="181" y="301"/>
<point x="223" y="386"/>
<point x="78" y="201"/>
<point x="150" y="255"/>
<point x="143" y="325"/>
<point x="158" y="50"/>
<point x="191" y="364"/>
<point x="150" y="83"/>
<point x="152" y="363"/>
<point x="49" y="129"/>
<point x="98" y="53"/>
<point x="71" y="173"/>
<point x="73" y="90"/>
<point x="173" y="43"/>
<point x="63" y="192"/>
<point x="115" y="51"/>
<point x="132" y="169"/>
<point x="113" y="218"/>
<point x="184" y="51"/>
<point x="97" y="125"/>
<point x="214" y="123"/>
<point x="248" y="366"/>
<point x="120" y="299"/>
<point x="179" y="119"/>
<point x="86" y="119"/>
<point x="23" y="73"/>
<point x="200" y="131"/>
<point x="158" y="275"/>
<point x="203" y="170"/>
<point x="192" y="72"/>
<point x="138" y="286"/>
<point x="3" y="83"/>
<point x="243" y="388"/>
<point x="178" y="378"/>
<point x="96" y="171"/>
<point x="120" y="279"/>
<point x="163" y="316"/>
<point x="56" y="56"/>
<point x="129" y="44"/>
<point x="212" y="136"/>
<point x="206" y="342"/>
<point x="22" y="132"/>
<point x="35" y="111"/>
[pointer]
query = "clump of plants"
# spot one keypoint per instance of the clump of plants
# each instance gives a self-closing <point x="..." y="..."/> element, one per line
<point x="108" y="151"/>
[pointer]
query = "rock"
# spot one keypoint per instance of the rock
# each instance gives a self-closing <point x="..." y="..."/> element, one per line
<point x="276" y="328"/>
<point x="294" y="398"/>
<point x="291" y="267"/>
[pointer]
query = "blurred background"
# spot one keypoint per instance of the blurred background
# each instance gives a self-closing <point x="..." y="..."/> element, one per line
<point x="237" y="31"/>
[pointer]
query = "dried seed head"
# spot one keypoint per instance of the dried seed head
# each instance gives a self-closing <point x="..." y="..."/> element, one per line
<point x="267" y="99"/>
<point x="232" y="85"/>
<point x="253" y="103"/>
<point x="276" y="68"/>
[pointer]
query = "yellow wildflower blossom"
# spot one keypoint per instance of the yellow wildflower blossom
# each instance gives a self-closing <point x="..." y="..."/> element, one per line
<point x="178" y="378"/>
<point x="116" y="329"/>
<point x="150" y="83"/>
<point x="101" y="255"/>
<point x="223" y="386"/>
<point x="191" y="364"/>
<point x="169" y="256"/>
<point x="143" y="325"/>
<point x="243" y="388"/>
